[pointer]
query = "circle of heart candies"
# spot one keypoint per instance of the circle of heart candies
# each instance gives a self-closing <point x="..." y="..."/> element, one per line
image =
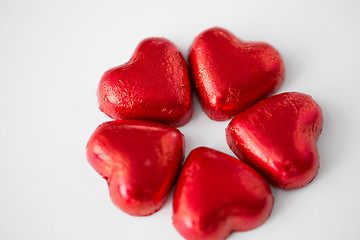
<point x="140" y="154"/>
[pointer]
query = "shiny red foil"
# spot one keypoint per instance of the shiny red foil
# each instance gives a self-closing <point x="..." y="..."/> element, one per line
<point x="217" y="194"/>
<point x="154" y="85"/>
<point x="140" y="161"/>
<point x="230" y="74"/>
<point x="278" y="136"/>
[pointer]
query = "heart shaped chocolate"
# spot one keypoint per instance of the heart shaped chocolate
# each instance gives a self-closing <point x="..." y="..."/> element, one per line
<point x="278" y="136"/>
<point x="140" y="161"/>
<point x="231" y="75"/>
<point x="154" y="85"/>
<point x="217" y="194"/>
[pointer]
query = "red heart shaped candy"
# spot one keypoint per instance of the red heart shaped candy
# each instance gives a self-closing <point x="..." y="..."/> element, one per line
<point x="278" y="136"/>
<point x="231" y="75"/>
<point x="154" y="85"/>
<point x="217" y="194"/>
<point x="140" y="161"/>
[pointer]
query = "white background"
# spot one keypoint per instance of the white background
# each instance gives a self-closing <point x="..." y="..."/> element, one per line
<point x="52" y="55"/>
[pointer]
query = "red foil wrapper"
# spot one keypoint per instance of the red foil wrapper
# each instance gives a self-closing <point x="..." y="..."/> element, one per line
<point x="154" y="85"/>
<point x="278" y="136"/>
<point x="140" y="161"/>
<point x="231" y="75"/>
<point x="217" y="194"/>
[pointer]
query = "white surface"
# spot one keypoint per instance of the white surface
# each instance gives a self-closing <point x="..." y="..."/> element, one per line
<point x="52" y="55"/>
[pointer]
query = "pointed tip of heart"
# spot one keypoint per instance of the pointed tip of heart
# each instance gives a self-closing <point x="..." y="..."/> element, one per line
<point x="133" y="201"/>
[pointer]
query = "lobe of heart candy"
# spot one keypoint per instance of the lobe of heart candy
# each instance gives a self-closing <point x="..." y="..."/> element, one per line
<point x="154" y="85"/>
<point x="231" y="75"/>
<point x="140" y="161"/>
<point x="278" y="136"/>
<point x="217" y="194"/>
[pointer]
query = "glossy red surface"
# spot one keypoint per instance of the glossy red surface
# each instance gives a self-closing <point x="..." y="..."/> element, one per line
<point x="140" y="161"/>
<point x="154" y="85"/>
<point x="217" y="194"/>
<point x="278" y="136"/>
<point x="231" y="75"/>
